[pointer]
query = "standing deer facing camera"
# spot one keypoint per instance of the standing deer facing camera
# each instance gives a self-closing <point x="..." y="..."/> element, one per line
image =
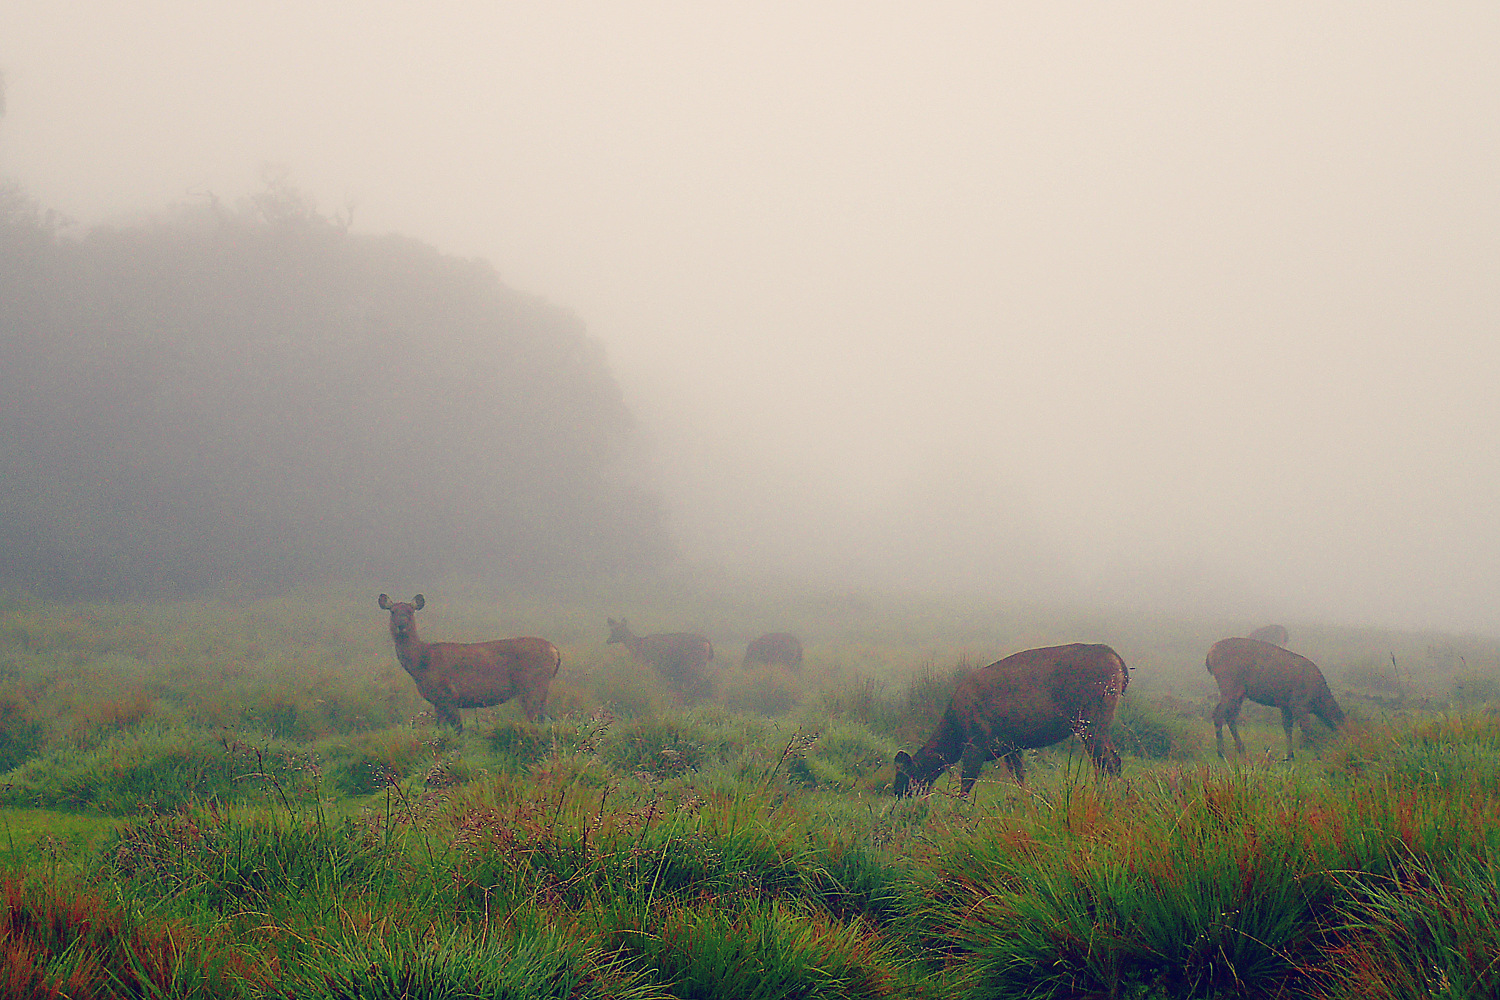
<point x="455" y="675"/>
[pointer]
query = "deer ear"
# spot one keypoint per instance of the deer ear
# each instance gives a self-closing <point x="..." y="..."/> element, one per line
<point x="903" y="759"/>
<point x="419" y="602"/>
<point x="385" y="603"/>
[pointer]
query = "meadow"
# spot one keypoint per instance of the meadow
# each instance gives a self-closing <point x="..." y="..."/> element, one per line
<point x="243" y="796"/>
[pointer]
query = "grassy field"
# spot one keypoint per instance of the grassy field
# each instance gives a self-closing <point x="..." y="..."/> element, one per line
<point x="244" y="797"/>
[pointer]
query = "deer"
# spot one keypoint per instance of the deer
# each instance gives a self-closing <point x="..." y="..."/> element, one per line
<point x="1030" y="699"/>
<point x="1268" y="675"/>
<point x="681" y="657"/>
<point x="455" y="675"/>
<point x="774" y="648"/>
<point x="1276" y="635"/>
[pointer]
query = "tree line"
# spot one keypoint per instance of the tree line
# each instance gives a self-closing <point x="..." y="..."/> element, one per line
<point x="253" y="392"/>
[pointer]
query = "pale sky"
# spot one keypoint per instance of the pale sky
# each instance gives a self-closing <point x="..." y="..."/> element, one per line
<point x="1163" y="303"/>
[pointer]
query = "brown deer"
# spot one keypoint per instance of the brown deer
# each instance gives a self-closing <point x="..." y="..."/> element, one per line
<point x="1274" y="634"/>
<point x="778" y="648"/>
<point x="1029" y="699"/>
<point x="1268" y="675"/>
<point x="455" y="675"/>
<point x="681" y="657"/>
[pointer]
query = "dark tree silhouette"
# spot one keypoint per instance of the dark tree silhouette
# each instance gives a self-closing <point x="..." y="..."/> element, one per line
<point x="255" y="392"/>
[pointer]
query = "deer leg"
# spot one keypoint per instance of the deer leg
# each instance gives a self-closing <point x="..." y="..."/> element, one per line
<point x="1287" y="721"/>
<point x="1228" y="711"/>
<point x="447" y="714"/>
<point x="1015" y="762"/>
<point x="1105" y="757"/>
<point x="534" y="708"/>
<point x="973" y="762"/>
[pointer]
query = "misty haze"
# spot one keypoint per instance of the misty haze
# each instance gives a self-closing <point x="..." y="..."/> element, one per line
<point x="1168" y="307"/>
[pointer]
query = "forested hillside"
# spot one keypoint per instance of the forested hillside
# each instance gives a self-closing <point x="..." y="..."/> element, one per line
<point x="255" y="393"/>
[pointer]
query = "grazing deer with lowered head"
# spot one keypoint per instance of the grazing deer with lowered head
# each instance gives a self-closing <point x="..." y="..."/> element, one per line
<point x="1030" y="699"/>
<point x="1268" y="675"/>
<point x="1276" y="635"/>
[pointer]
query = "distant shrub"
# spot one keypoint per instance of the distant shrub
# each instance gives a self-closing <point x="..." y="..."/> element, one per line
<point x="1471" y="690"/>
<point x="630" y="689"/>
<point x="373" y="760"/>
<point x="843" y="758"/>
<point x="281" y="717"/>
<point x="520" y="745"/>
<point x="664" y="746"/>
<point x="762" y="689"/>
<point x="122" y="713"/>
<point x="1180" y="708"/>
<point x="154" y="771"/>
<point x="1370" y="675"/>
<point x="345" y="707"/>
<point x="1142" y="729"/>
<point x="861" y="700"/>
<point x="21" y="736"/>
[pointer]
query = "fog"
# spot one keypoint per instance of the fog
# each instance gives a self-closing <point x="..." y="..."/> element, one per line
<point x="1161" y="304"/>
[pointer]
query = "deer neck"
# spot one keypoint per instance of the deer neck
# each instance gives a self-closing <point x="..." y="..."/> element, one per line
<point x="634" y="644"/>
<point x="947" y="743"/>
<point x="409" y="649"/>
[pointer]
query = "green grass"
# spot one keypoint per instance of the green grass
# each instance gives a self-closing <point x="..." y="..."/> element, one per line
<point x="1430" y="930"/>
<point x="542" y="964"/>
<point x="244" y="798"/>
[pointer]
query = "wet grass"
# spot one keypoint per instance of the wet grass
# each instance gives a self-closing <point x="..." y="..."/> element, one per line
<point x="250" y="803"/>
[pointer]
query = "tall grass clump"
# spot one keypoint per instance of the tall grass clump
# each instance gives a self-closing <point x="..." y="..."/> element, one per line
<point x="927" y="698"/>
<point x="64" y="945"/>
<point x="368" y="762"/>
<point x="1200" y="887"/>
<point x="306" y="868"/>
<point x="520" y="746"/>
<point x="864" y="700"/>
<point x="845" y="756"/>
<point x="544" y="964"/>
<point x="1144" y="730"/>
<point x="161" y="770"/>
<point x="767" y="951"/>
<point x="1431" y="931"/>
<point x="676" y="743"/>
<point x="549" y="849"/>
<point x="22" y="735"/>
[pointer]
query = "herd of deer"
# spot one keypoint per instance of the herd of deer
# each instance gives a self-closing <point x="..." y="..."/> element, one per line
<point x="1028" y="700"/>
